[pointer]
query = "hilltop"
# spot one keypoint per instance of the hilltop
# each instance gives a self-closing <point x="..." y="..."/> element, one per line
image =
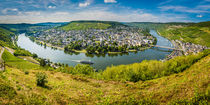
<point x="84" y="25"/>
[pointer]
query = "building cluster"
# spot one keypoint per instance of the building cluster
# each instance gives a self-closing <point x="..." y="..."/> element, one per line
<point x="190" y="48"/>
<point x="120" y="35"/>
<point x="185" y="49"/>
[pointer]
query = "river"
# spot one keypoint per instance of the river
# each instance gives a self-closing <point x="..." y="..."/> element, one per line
<point x="58" y="56"/>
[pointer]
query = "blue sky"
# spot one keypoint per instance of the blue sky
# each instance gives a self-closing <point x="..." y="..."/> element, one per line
<point x="36" y="11"/>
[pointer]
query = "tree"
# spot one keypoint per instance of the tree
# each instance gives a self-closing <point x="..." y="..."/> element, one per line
<point x="41" y="79"/>
<point x="34" y="55"/>
<point x="42" y="62"/>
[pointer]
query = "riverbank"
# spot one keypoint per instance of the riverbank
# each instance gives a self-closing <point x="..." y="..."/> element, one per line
<point x="84" y="51"/>
<point x="174" y="53"/>
<point x="101" y="62"/>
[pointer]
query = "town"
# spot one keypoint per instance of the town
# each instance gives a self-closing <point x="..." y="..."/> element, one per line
<point x="118" y="36"/>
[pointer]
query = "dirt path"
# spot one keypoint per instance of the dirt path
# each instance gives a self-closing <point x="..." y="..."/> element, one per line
<point x="1" y="60"/>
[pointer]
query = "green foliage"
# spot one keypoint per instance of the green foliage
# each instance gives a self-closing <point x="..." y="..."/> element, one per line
<point x="42" y="62"/>
<point x="148" y="70"/>
<point x="21" y="52"/>
<point x="6" y="91"/>
<point x="78" y="69"/>
<point x="84" y="25"/>
<point x="41" y="79"/>
<point x="34" y="55"/>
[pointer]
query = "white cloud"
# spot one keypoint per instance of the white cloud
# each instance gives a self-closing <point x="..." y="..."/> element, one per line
<point x="5" y="11"/>
<point x="86" y="3"/>
<point x="52" y="7"/>
<point x="129" y="16"/>
<point x="199" y="16"/>
<point x="110" y="1"/>
<point x="165" y="2"/>
<point x="182" y="9"/>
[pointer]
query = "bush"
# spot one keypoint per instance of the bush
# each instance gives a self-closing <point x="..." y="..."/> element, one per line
<point x="152" y="69"/>
<point x="42" y="62"/>
<point x="21" y="52"/>
<point x="78" y="69"/>
<point x="26" y="72"/>
<point x="34" y="55"/>
<point x="41" y="79"/>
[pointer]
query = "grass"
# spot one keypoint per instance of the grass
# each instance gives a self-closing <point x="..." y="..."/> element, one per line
<point x="17" y="62"/>
<point x="29" y="58"/>
<point x="65" y="88"/>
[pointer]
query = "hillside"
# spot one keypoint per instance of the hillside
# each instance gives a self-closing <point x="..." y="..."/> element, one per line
<point x="84" y="25"/>
<point x="196" y="33"/>
<point x="18" y="86"/>
<point x="5" y="37"/>
<point x="181" y="80"/>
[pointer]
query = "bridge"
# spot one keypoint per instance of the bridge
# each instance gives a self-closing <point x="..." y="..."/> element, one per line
<point x="166" y="47"/>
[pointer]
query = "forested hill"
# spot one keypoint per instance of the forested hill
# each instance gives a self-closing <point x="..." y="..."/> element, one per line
<point x="84" y="25"/>
<point x="198" y="33"/>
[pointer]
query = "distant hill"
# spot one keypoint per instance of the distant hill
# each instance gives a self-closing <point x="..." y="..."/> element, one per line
<point x="83" y="25"/>
<point x="52" y="23"/>
<point x="26" y="27"/>
<point x="156" y="25"/>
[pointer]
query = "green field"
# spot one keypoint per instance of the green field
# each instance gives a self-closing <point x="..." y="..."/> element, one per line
<point x="15" y="62"/>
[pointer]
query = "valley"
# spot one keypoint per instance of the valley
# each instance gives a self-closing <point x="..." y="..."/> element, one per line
<point x="136" y="78"/>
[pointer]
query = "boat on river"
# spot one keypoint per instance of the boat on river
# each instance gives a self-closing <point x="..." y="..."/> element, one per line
<point x="83" y="61"/>
<point x="86" y="62"/>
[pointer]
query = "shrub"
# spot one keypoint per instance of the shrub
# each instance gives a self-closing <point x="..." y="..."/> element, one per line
<point x="78" y="69"/>
<point x="152" y="69"/>
<point x="26" y="72"/>
<point x="34" y="55"/>
<point x="21" y="52"/>
<point x="41" y="79"/>
<point x="42" y="62"/>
